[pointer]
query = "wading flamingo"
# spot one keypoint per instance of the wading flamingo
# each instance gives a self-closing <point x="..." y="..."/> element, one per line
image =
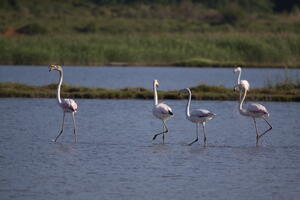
<point x="67" y="105"/>
<point x="198" y="116"/>
<point x="253" y="110"/>
<point x="161" y="111"/>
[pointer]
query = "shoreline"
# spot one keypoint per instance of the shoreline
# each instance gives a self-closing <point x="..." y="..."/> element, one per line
<point x="280" y="93"/>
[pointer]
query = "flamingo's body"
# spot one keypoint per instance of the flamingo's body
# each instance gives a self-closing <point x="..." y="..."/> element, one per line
<point x="67" y="105"/>
<point x="161" y="111"/>
<point x="198" y="116"/>
<point x="253" y="110"/>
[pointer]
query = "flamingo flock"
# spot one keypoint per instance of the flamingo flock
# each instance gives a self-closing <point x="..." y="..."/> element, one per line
<point x="164" y="112"/>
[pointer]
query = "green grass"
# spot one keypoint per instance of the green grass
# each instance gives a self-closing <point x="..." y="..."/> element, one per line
<point x="226" y="49"/>
<point x="279" y="92"/>
<point x="187" y="34"/>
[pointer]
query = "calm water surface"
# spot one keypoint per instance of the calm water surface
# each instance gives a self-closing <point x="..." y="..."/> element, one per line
<point x="120" y="77"/>
<point x="115" y="157"/>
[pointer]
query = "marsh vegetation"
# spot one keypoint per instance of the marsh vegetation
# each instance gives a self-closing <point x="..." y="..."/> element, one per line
<point x="285" y="91"/>
<point x="186" y="33"/>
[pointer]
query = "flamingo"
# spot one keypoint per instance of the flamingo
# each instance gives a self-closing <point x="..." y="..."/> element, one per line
<point x="161" y="111"/>
<point x="197" y="116"/>
<point x="253" y="110"/>
<point x="67" y="105"/>
<point x="239" y="81"/>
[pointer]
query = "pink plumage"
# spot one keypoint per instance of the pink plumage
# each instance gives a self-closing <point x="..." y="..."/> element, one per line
<point x="69" y="105"/>
<point x="197" y="116"/>
<point x="161" y="111"/>
<point x="253" y="110"/>
<point x="257" y="109"/>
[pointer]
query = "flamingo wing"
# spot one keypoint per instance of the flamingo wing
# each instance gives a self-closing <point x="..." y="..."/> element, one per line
<point x="69" y="104"/>
<point x="164" y="109"/>
<point x="200" y="113"/>
<point x="256" y="108"/>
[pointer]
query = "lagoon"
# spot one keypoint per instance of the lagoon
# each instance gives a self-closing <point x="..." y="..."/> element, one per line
<point x="170" y="78"/>
<point x="115" y="157"/>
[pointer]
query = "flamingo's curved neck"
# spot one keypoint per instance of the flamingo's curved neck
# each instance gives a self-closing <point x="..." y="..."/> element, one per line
<point x="241" y="109"/>
<point x="59" y="86"/>
<point x="155" y="94"/>
<point x="239" y="77"/>
<point x="187" y="110"/>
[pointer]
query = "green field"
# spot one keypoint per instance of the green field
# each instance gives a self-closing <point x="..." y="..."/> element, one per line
<point x="184" y="33"/>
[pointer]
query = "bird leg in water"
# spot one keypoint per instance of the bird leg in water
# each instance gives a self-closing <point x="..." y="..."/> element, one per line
<point x="163" y="135"/>
<point x="204" y="139"/>
<point x="73" y="115"/>
<point x="62" y="127"/>
<point x="165" y="130"/>
<point x="270" y="128"/>
<point x="257" y="136"/>
<point x="197" y="127"/>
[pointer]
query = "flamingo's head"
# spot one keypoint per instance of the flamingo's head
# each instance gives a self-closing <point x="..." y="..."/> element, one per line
<point x="237" y="87"/>
<point x="185" y="90"/>
<point x="212" y="114"/>
<point x="55" y="67"/>
<point x="237" y="69"/>
<point x="155" y="83"/>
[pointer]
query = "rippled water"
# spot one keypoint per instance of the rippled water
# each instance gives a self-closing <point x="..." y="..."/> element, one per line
<point x="120" y="77"/>
<point x="115" y="157"/>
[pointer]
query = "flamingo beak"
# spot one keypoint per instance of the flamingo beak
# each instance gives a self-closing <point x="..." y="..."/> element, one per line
<point x="51" y="68"/>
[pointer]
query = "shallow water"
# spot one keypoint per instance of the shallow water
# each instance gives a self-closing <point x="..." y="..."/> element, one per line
<point x="116" y="158"/>
<point x="120" y="77"/>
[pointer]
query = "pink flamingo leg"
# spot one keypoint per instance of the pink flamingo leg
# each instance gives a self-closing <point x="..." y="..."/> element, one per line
<point x="197" y="128"/>
<point x="257" y="136"/>
<point x="165" y="130"/>
<point x="203" y="126"/>
<point x="73" y="115"/>
<point x="62" y="128"/>
<point x="270" y="128"/>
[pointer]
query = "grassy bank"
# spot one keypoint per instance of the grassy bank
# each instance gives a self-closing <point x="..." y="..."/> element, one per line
<point x="280" y="92"/>
<point x="228" y="49"/>
<point x="185" y="33"/>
